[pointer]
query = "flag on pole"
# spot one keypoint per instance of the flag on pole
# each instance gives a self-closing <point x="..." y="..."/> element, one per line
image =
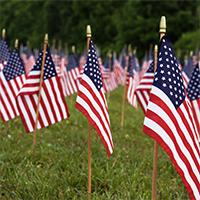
<point x="142" y="91"/>
<point x="72" y="75"/>
<point x="52" y="105"/>
<point x="133" y="80"/>
<point x="169" y="119"/>
<point x="4" y="54"/>
<point x="11" y="80"/>
<point x="193" y="91"/>
<point x="91" y="100"/>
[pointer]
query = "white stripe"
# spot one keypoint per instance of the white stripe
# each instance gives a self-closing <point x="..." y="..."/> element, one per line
<point x="141" y="99"/>
<point x="47" y="105"/>
<point x="5" y="100"/>
<point x="165" y="137"/>
<point x="24" y="113"/>
<point x="35" y="97"/>
<point x="58" y="94"/>
<point x="53" y="101"/>
<point x="10" y="94"/>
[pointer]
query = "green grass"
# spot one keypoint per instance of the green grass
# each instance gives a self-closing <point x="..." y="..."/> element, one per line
<point x="57" y="169"/>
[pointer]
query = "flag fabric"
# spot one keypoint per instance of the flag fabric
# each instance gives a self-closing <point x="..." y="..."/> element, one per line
<point x="169" y="119"/>
<point x="193" y="91"/>
<point x="91" y="100"/>
<point x="4" y="54"/>
<point x="133" y="79"/>
<point x="142" y="91"/>
<point x="11" y="80"/>
<point x="72" y="75"/>
<point x="52" y="105"/>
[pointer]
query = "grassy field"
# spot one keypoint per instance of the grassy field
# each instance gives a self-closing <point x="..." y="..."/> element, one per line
<point x="57" y="169"/>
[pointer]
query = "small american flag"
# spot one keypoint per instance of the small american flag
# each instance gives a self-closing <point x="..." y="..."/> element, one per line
<point x="169" y="120"/>
<point x="194" y="95"/>
<point x="52" y="106"/>
<point x="72" y="76"/>
<point x="133" y="79"/>
<point x="143" y="89"/>
<point x="91" y="100"/>
<point x="4" y="54"/>
<point x="11" y="80"/>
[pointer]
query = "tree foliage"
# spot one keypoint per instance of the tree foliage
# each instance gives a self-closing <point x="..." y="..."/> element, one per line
<point x="114" y="23"/>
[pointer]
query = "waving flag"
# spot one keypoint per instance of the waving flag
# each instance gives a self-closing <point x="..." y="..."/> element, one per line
<point x="133" y="79"/>
<point x="91" y="100"/>
<point x="52" y="106"/>
<point x="194" y="95"/>
<point x="170" y="122"/>
<point x="11" y="80"/>
<point x="72" y="75"/>
<point x="143" y="89"/>
<point x="4" y="54"/>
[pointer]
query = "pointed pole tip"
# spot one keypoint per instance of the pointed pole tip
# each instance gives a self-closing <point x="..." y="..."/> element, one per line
<point x="163" y="25"/>
<point x="46" y="38"/>
<point x="3" y="33"/>
<point x="88" y="31"/>
<point x="16" y="43"/>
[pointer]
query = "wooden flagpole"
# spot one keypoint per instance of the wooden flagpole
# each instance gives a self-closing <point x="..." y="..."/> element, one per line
<point x="40" y="87"/>
<point x="125" y="89"/>
<point x="155" y="157"/>
<point x="88" y="35"/>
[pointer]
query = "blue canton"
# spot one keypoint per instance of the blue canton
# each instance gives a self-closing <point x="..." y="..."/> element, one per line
<point x="168" y="76"/>
<point x="14" y="66"/>
<point x="151" y="68"/>
<point x="92" y="69"/>
<point x="4" y="52"/>
<point x="49" y="67"/>
<point x="194" y="84"/>
<point x="72" y="62"/>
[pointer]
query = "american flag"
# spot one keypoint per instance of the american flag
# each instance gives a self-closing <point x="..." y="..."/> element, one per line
<point x="52" y="105"/>
<point x="169" y="119"/>
<point x="72" y="75"/>
<point x="193" y="91"/>
<point x="133" y="79"/>
<point x="11" y="80"/>
<point x="91" y="100"/>
<point x="4" y="54"/>
<point x="142" y="91"/>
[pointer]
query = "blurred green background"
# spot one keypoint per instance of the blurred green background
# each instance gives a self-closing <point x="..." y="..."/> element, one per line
<point x="114" y="23"/>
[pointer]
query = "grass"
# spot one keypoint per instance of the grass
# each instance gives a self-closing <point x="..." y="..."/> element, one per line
<point x="57" y="169"/>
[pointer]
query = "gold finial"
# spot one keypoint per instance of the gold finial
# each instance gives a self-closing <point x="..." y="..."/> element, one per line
<point x="73" y="49"/>
<point x="16" y="43"/>
<point x="46" y="38"/>
<point x="163" y="26"/>
<point x="4" y="33"/>
<point x="88" y="31"/>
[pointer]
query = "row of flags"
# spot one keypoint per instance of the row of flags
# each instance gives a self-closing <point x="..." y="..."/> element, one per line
<point x="171" y="103"/>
